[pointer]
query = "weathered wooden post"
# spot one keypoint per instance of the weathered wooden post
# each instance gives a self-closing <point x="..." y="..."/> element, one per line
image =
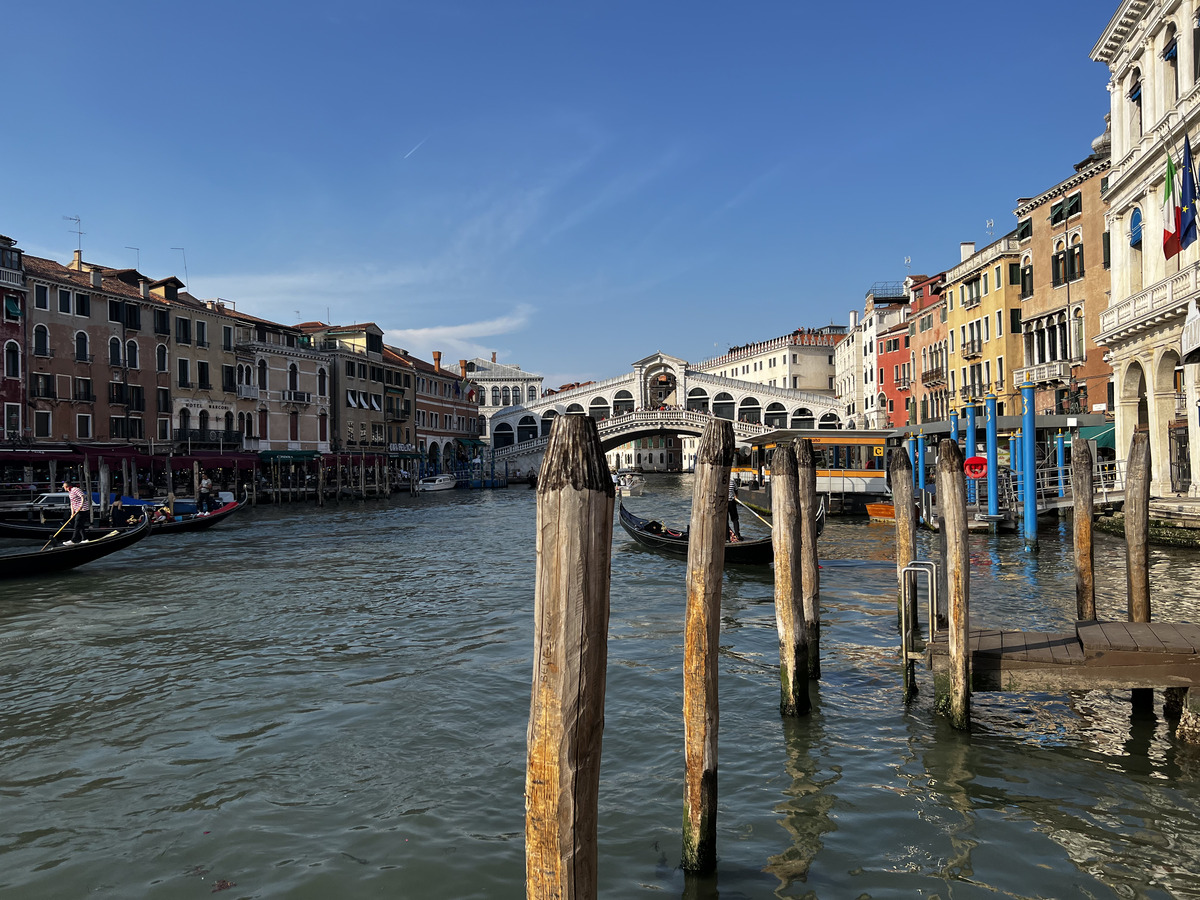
<point x="1082" y="500"/>
<point x="320" y="482"/>
<point x="810" y="569"/>
<point x="1137" y="544"/>
<point x="566" y="716"/>
<point x="196" y="479"/>
<point x="789" y="601"/>
<point x="1137" y="527"/>
<point x="901" y="473"/>
<point x="87" y="490"/>
<point x="702" y="627"/>
<point x="103" y="486"/>
<point x="955" y="697"/>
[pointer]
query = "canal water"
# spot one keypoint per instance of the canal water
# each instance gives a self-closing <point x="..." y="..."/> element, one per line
<point x="310" y="703"/>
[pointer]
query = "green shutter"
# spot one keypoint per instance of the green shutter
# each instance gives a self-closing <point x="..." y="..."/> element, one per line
<point x="1014" y="322"/>
<point x="1107" y="251"/>
<point x="1014" y="273"/>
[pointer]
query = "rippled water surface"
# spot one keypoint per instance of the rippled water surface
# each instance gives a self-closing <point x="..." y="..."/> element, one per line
<point x="332" y="703"/>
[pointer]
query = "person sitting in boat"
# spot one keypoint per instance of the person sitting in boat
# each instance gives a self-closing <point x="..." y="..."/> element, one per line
<point x="163" y="515"/>
<point x="118" y="514"/>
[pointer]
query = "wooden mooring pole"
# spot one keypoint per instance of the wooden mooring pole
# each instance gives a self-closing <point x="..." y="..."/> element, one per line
<point x="1137" y="544"/>
<point x="954" y="697"/>
<point x="702" y="628"/>
<point x="789" y="600"/>
<point x="903" y="501"/>
<point x="566" y="716"/>
<point x="1082" y="500"/>
<point x="810" y="568"/>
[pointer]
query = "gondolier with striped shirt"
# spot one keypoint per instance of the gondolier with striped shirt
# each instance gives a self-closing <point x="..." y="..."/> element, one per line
<point x="80" y="504"/>
<point x="735" y="529"/>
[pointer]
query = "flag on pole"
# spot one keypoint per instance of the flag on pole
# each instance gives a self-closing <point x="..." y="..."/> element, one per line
<point x="1171" y="210"/>
<point x="1187" y="199"/>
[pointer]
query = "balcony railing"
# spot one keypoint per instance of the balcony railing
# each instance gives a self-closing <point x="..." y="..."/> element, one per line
<point x="972" y="348"/>
<point x="975" y="390"/>
<point x="247" y="392"/>
<point x="970" y="302"/>
<point x="1163" y="300"/>
<point x="43" y="352"/>
<point x="1042" y="373"/>
<point x="216" y="436"/>
<point x="43" y="392"/>
<point x="934" y="376"/>
<point x="84" y="357"/>
<point x="205" y="385"/>
<point x="84" y="396"/>
<point x="297" y="396"/>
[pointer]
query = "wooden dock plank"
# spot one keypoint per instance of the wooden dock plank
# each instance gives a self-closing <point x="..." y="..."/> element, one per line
<point x="1092" y="637"/>
<point x="1013" y="643"/>
<point x="1143" y="634"/>
<point x="1118" y="636"/>
<point x="1186" y="631"/>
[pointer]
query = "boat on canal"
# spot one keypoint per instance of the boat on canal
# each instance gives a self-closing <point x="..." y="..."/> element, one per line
<point x="653" y="535"/>
<point x="51" y="560"/>
<point x="40" y="531"/>
<point x="437" y="483"/>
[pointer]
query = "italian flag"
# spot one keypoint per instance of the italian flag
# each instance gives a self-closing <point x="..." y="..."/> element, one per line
<point x="1172" y="213"/>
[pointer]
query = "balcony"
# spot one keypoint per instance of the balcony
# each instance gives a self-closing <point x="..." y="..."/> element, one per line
<point x="933" y="376"/>
<point x="970" y="302"/>
<point x="247" y="392"/>
<point x="43" y="352"/>
<point x="205" y="386"/>
<point x="903" y="384"/>
<point x="296" y="396"/>
<point x="1168" y="299"/>
<point x="1042" y="373"/>
<point x="84" y="396"/>
<point x="85" y="358"/>
<point x="971" y="349"/>
<point x="12" y="278"/>
<point x="975" y="390"/>
<point x="185" y="382"/>
<point x="215" y="437"/>
<point x="43" y="392"/>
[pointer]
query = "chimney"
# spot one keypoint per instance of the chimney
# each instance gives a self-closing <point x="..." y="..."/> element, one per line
<point x="493" y="356"/>
<point x="462" y="369"/>
<point x="77" y="262"/>
<point x="853" y="319"/>
<point x="144" y="287"/>
<point x="97" y="277"/>
<point x="966" y="250"/>
<point x="437" y="360"/>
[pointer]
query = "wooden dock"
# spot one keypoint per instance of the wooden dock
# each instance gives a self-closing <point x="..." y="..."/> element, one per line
<point x="1096" y="655"/>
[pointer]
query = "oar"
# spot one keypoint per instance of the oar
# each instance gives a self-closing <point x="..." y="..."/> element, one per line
<point x="57" y="533"/>
<point x="760" y="518"/>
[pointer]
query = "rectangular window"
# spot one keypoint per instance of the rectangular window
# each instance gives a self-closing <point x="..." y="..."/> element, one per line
<point x="83" y="426"/>
<point x="985" y="282"/>
<point x="986" y="329"/>
<point x="1025" y="229"/>
<point x="185" y="374"/>
<point x="115" y="313"/>
<point x="201" y="333"/>
<point x="349" y="370"/>
<point x="41" y="423"/>
<point x="183" y="331"/>
<point x="227" y="337"/>
<point x="163" y="396"/>
<point x="1014" y="323"/>
<point x="162" y="321"/>
<point x="83" y="305"/>
<point x="999" y="323"/>
<point x="352" y="399"/>
<point x="136" y="428"/>
<point x="83" y="389"/>
<point x="227" y="379"/>
<point x="133" y="316"/>
<point x="202" y="375"/>
<point x="41" y="297"/>
<point x="1074" y="204"/>
<point x="116" y="427"/>
<point x="164" y="428"/>
<point x="64" y="301"/>
<point x="1106" y="250"/>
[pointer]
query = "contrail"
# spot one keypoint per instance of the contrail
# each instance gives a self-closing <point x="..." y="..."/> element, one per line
<point x="415" y="149"/>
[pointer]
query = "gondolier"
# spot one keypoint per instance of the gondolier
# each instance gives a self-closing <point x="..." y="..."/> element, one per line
<point x="735" y="528"/>
<point x="80" y="504"/>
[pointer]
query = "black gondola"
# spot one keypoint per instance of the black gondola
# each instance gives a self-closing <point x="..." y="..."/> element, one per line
<point x="61" y="557"/>
<point x="39" y="531"/>
<point x="656" y="536"/>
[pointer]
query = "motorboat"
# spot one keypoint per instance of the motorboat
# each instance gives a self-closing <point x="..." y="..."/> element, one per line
<point x="437" y="483"/>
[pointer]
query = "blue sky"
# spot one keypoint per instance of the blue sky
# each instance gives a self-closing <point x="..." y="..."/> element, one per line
<point x="571" y="185"/>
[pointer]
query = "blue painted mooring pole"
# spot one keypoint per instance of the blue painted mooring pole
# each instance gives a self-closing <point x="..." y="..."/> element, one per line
<point x="921" y="462"/>
<point x="954" y="425"/>
<point x="1029" y="465"/>
<point x="1062" y="464"/>
<point x="969" y="447"/>
<point x="912" y="456"/>
<point x="993" y="457"/>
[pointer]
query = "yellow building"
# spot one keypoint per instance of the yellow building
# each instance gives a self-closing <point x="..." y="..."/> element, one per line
<point x="984" y="338"/>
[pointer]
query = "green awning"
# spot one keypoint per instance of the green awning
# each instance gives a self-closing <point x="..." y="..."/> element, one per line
<point x="1104" y="435"/>
<point x="12" y="306"/>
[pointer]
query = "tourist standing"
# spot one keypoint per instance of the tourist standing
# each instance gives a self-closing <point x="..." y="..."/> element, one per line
<point x="204" y="501"/>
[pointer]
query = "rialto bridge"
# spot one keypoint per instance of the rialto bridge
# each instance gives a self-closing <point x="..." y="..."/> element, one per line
<point x="647" y="401"/>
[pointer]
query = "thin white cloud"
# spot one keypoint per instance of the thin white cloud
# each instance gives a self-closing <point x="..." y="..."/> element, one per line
<point x="462" y="341"/>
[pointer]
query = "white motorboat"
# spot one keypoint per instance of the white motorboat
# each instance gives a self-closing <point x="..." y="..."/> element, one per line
<point x="437" y="483"/>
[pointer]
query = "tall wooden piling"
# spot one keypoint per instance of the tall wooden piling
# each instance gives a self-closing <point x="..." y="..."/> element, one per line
<point x="1082" y="514"/>
<point x="1137" y="527"/>
<point x="901" y="473"/>
<point x="810" y="569"/>
<point x="566" y="717"/>
<point x="702" y="627"/>
<point x="789" y="599"/>
<point x="955" y="698"/>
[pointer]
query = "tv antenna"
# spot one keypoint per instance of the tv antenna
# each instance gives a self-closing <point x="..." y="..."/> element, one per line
<point x="138" y="250"/>
<point x="78" y="231"/>
<point x="186" y="280"/>
<point x="908" y="264"/>
<point x="991" y="224"/>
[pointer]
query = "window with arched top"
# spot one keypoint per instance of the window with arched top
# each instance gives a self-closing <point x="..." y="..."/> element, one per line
<point x="41" y="340"/>
<point x="322" y="387"/>
<point x="114" y="351"/>
<point x="81" y="346"/>
<point x="12" y="360"/>
<point x="131" y="354"/>
<point x="531" y="393"/>
<point x="202" y="421"/>
<point x="506" y="396"/>
<point x="495" y="396"/>
<point x="293" y="377"/>
<point x="262" y="374"/>
<point x="160" y="358"/>
<point x="185" y="421"/>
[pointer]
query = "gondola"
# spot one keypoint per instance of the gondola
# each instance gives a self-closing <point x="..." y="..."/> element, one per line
<point x="656" y="536"/>
<point x="39" y="531"/>
<point x="61" y="557"/>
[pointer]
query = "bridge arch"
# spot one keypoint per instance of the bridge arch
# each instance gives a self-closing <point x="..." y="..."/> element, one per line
<point x="527" y="429"/>
<point x="723" y="406"/>
<point x="775" y="416"/>
<point x="803" y="417"/>
<point x="622" y="402"/>
<point x="697" y="399"/>
<point x="503" y="435"/>
<point x="749" y="410"/>
<point x="575" y="409"/>
<point x="599" y="408"/>
<point x="548" y="418"/>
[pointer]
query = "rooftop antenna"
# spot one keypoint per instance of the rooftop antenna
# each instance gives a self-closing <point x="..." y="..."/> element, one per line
<point x="77" y="231"/>
<point x="186" y="280"/>
<point x="908" y="264"/>
<point x="990" y="225"/>
<point x="138" y="250"/>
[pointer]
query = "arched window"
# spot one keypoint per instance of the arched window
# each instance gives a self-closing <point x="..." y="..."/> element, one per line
<point x="507" y="397"/>
<point x="321" y="386"/>
<point x="323" y="427"/>
<point x="262" y="374"/>
<point x="160" y="358"/>
<point x="81" y="346"/>
<point x="242" y="422"/>
<point x="41" y="341"/>
<point x="1077" y="350"/>
<point x="495" y="396"/>
<point x="228" y="422"/>
<point x="131" y="354"/>
<point x="114" y="351"/>
<point x="293" y="379"/>
<point x="516" y="393"/>
<point x="185" y="422"/>
<point x="12" y="360"/>
<point x="531" y="393"/>
<point x="203" y="421"/>
<point x="294" y="426"/>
